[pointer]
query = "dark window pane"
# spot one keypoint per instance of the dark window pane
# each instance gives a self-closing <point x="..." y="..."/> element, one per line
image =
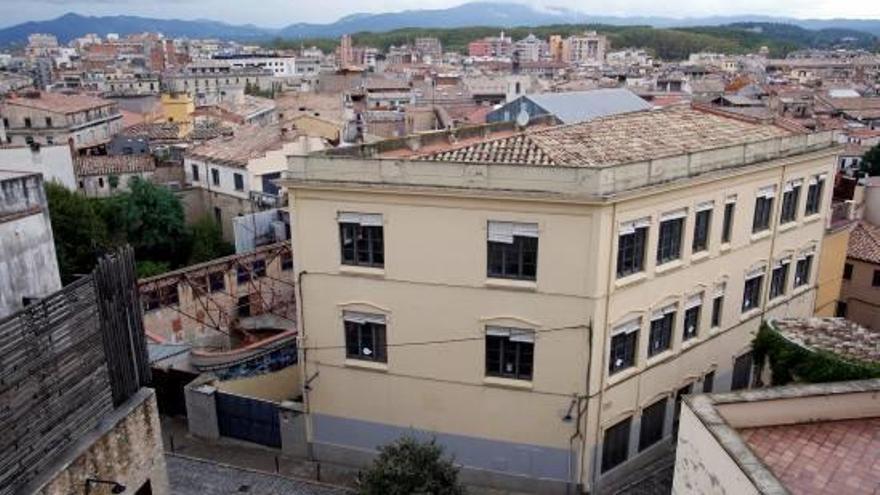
<point x="653" y="419"/>
<point x="709" y="382"/>
<point x="702" y="225"/>
<point x="623" y="351"/>
<point x="717" y="308"/>
<point x="847" y="271"/>
<point x="742" y="372"/>
<point x="691" y="322"/>
<point x="516" y="260"/>
<point x="660" y="337"/>
<point x="365" y="341"/>
<point x="361" y="245"/>
<point x="727" y="230"/>
<point x="631" y="252"/>
<point x="508" y="358"/>
<point x="669" y="243"/>
<point x="615" y="445"/>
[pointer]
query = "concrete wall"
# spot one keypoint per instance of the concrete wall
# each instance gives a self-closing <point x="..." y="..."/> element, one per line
<point x="28" y="265"/>
<point x="127" y="448"/>
<point x="54" y="162"/>
<point x="703" y="466"/>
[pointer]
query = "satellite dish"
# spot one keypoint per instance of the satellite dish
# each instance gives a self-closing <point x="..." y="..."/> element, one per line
<point x="522" y="119"/>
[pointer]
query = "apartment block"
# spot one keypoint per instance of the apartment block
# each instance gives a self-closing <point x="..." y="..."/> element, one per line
<point x="541" y="302"/>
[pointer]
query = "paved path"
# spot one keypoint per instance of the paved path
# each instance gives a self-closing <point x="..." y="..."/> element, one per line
<point x="190" y="476"/>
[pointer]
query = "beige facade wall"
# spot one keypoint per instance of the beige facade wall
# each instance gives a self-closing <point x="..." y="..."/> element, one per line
<point x="433" y="288"/>
<point x="861" y="297"/>
<point x="830" y="277"/>
<point x="278" y="386"/>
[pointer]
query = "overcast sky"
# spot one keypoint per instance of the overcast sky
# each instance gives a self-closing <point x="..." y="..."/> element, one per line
<point x="277" y="13"/>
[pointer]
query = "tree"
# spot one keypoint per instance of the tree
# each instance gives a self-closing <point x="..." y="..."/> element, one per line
<point x="207" y="241"/>
<point x="871" y="161"/>
<point x="80" y="233"/>
<point x="151" y="219"/>
<point x="409" y="466"/>
<point x="147" y="268"/>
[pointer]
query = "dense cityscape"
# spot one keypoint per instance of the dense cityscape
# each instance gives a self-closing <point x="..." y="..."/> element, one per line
<point x="487" y="260"/>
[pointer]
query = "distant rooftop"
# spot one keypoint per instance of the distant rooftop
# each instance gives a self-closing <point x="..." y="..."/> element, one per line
<point x="247" y="143"/>
<point x="58" y="102"/>
<point x="112" y="164"/>
<point x="581" y="106"/>
<point x="864" y="243"/>
<point x="672" y="131"/>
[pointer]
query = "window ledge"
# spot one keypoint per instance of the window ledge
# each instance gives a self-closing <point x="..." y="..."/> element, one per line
<point x="366" y="365"/>
<point x="503" y="283"/>
<point x="750" y="314"/>
<point x="622" y="375"/>
<point x="788" y="226"/>
<point x="687" y="344"/>
<point x="700" y="256"/>
<point x="669" y="266"/>
<point x="815" y="217"/>
<point x="725" y="247"/>
<point x="630" y="279"/>
<point x="660" y="358"/>
<point x="364" y="271"/>
<point x="760" y="235"/>
<point x="496" y="381"/>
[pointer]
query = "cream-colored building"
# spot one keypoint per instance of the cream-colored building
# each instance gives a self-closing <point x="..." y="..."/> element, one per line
<point x="541" y="302"/>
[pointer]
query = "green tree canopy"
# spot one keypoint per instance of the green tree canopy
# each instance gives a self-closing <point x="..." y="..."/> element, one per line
<point x="80" y="233"/>
<point x="871" y="161"/>
<point x="207" y="241"/>
<point x="151" y="219"/>
<point x="409" y="466"/>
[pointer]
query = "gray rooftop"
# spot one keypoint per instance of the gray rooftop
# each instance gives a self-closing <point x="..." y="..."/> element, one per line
<point x="581" y="106"/>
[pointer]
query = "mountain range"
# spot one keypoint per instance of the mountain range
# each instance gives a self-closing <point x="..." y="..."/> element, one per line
<point x="490" y="14"/>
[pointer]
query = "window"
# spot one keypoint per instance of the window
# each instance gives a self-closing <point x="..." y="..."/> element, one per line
<point x="660" y="337"/>
<point x="752" y="290"/>
<point x="238" y="179"/>
<point x="48" y="121"/>
<point x="286" y="261"/>
<point x="5" y="123"/>
<point x="512" y="250"/>
<point x="365" y="337"/>
<point x="742" y="372"/>
<point x="217" y="281"/>
<point x="802" y="270"/>
<point x="692" y="311"/>
<point x="195" y="172"/>
<point x="242" y="274"/>
<point x="814" y="194"/>
<point x="847" y="271"/>
<point x="259" y="268"/>
<point x="779" y="279"/>
<point x="875" y="281"/>
<point x="509" y="353"/>
<point x="709" y="382"/>
<point x="100" y="182"/>
<point x="623" y="346"/>
<point x="791" y="195"/>
<point x="840" y="309"/>
<point x="653" y="419"/>
<point x="215" y="176"/>
<point x="244" y="306"/>
<point x="631" y="247"/>
<point x="27" y="122"/>
<point x="218" y="215"/>
<point x="718" y="306"/>
<point x="361" y="241"/>
<point x="615" y="445"/>
<point x="763" y="209"/>
<point x="702" y="224"/>
<point x="669" y="243"/>
<point x="50" y="140"/>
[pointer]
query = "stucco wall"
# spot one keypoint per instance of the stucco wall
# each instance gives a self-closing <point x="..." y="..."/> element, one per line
<point x="277" y="386"/>
<point x="127" y="449"/>
<point x="829" y="280"/>
<point x="861" y="297"/>
<point x="54" y="162"/>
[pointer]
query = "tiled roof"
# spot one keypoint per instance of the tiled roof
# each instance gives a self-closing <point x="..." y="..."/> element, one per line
<point x="58" y="102"/>
<point x="835" y="335"/>
<point x="113" y="164"/>
<point x="247" y="143"/>
<point x="619" y="139"/>
<point x="825" y="457"/>
<point x="864" y="243"/>
<point x="156" y="131"/>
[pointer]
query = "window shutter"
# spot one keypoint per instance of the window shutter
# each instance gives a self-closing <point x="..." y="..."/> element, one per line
<point x="361" y="318"/>
<point x="719" y="290"/>
<point x="628" y="327"/>
<point x="767" y="192"/>
<point x="673" y="215"/>
<point x="631" y="226"/>
<point x="694" y="301"/>
<point x="706" y="205"/>
<point x="501" y="232"/>
<point x="730" y="199"/>
<point x="757" y="272"/>
<point x="363" y="219"/>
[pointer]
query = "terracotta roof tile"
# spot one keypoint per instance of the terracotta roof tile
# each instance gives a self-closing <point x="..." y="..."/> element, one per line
<point x="59" y="103"/>
<point x="112" y="164"/>
<point x="864" y="243"/>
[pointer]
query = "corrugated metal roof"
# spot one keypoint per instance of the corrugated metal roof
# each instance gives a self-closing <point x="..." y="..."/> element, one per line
<point x="581" y="106"/>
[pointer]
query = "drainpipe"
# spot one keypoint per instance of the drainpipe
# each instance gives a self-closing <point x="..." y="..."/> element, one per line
<point x="594" y="474"/>
<point x="310" y="455"/>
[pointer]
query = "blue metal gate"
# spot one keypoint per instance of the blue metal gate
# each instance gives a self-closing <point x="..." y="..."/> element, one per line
<point x="244" y="418"/>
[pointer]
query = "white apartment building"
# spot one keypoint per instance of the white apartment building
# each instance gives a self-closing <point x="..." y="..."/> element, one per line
<point x="279" y="66"/>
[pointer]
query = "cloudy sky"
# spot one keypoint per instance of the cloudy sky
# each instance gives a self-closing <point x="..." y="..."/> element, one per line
<point x="276" y="13"/>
